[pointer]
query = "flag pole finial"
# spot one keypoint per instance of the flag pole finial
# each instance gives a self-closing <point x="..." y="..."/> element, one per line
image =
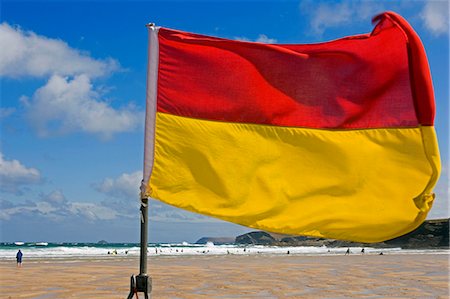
<point x="150" y="25"/>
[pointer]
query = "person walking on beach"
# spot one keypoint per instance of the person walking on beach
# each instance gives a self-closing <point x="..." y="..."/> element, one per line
<point x="19" y="258"/>
<point x="347" y="252"/>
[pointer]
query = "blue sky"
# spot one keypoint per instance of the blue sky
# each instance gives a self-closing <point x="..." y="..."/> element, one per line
<point x="73" y="78"/>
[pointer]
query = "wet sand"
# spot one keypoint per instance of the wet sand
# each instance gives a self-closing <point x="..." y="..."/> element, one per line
<point x="231" y="276"/>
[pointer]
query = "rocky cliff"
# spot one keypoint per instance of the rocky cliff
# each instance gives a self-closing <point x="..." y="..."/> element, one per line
<point x="216" y="240"/>
<point x="260" y="238"/>
<point x="431" y="234"/>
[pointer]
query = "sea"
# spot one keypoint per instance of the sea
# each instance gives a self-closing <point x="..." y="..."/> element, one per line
<point x="76" y="250"/>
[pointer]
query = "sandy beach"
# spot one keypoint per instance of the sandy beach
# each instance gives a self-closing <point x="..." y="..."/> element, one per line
<point x="231" y="276"/>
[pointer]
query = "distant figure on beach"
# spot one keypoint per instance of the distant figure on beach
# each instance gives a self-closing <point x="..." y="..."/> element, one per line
<point x="288" y="252"/>
<point x="381" y="253"/>
<point x="347" y="252"/>
<point x="19" y="258"/>
<point x="362" y="251"/>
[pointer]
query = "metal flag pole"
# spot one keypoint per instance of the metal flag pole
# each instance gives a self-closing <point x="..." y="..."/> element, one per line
<point x="143" y="282"/>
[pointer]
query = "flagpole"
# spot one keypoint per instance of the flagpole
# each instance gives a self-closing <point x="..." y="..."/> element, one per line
<point x="144" y="237"/>
<point x="142" y="282"/>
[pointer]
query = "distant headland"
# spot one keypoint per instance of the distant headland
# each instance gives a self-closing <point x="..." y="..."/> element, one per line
<point x="432" y="234"/>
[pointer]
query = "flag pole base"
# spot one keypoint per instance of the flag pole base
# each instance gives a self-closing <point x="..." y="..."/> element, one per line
<point x="140" y="284"/>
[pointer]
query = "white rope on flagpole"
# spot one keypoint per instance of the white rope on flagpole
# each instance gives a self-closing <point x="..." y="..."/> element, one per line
<point x="150" y="113"/>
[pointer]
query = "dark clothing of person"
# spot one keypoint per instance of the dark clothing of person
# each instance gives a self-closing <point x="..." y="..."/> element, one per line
<point x="19" y="256"/>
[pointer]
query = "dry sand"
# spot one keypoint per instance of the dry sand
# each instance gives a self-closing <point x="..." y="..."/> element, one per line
<point x="257" y="276"/>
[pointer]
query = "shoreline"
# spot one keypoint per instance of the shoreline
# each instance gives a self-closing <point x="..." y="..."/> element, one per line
<point x="355" y="251"/>
<point x="234" y="276"/>
<point x="86" y="252"/>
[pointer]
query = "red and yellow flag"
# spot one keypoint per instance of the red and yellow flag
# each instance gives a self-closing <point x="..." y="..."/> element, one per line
<point x="334" y="139"/>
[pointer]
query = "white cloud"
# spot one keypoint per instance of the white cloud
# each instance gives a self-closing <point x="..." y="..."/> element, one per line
<point x="69" y="101"/>
<point x="330" y="15"/>
<point x="65" y="105"/>
<point x="14" y="175"/>
<point x="54" y="206"/>
<point x="7" y="212"/>
<point x="5" y="112"/>
<point x="435" y="15"/>
<point x="326" y="15"/>
<point x="29" y="54"/>
<point x="262" y="38"/>
<point x="126" y="186"/>
<point x="92" y="211"/>
<point x="162" y="212"/>
<point x="55" y="198"/>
